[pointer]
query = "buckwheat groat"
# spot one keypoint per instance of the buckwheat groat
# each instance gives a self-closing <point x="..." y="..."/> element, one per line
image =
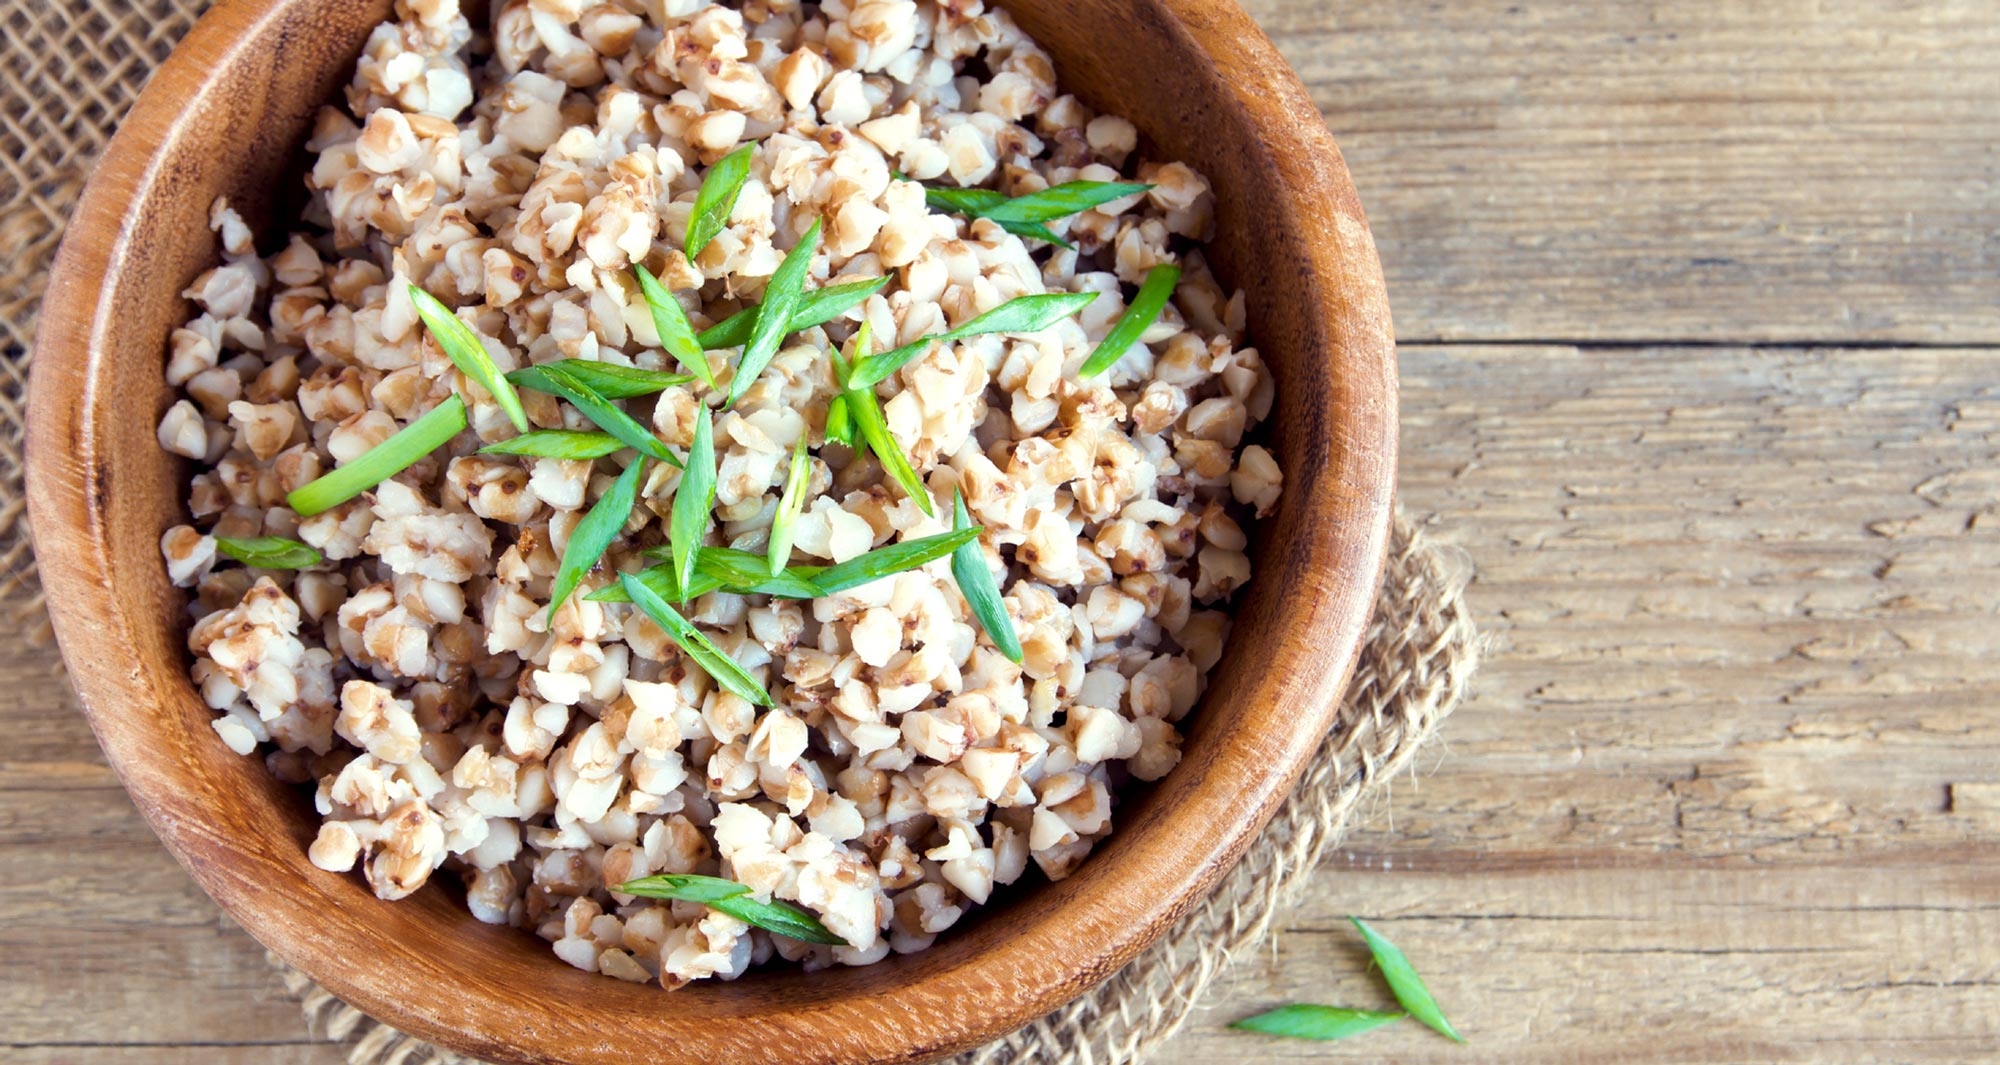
<point x="451" y="716"/>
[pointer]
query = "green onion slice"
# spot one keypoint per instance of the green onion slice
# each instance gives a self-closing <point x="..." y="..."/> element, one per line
<point x="976" y="583"/>
<point x="609" y="380"/>
<point x="1324" y="1023"/>
<point x="383" y="461"/>
<point x="1403" y="980"/>
<point x="774" y="315"/>
<point x="817" y="307"/>
<point x="462" y="346"/>
<point x="716" y="569"/>
<point x="716" y="199"/>
<point x="1145" y="307"/>
<point x="693" y="500"/>
<point x="732" y="898"/>
<point x="605" y="414"/>
<point x="1023" y="215"/>
<point x="867" y="414"/>
<point x="268" y="552"/>
<point x="741" y="571"/>
<point x="892" y="559"/>
<point x="593" y="535"/>
<point x="556" y="444"/>
<point x="1022" y="314"/>
<point x="839" y="423"/>
<point x="779" y="553"/>
<point x="693" y="643"/>
<point x="661" y="580"/>
<point x="671" y="322"/>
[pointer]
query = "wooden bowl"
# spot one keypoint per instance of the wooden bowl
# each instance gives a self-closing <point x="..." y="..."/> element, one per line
<point x="227" y="114"/>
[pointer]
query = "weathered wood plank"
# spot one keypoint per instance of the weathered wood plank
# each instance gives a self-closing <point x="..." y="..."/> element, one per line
<point x="1844" y="962"/>
<point x="1727" y="790"/>
<point x="1794" y="170"/>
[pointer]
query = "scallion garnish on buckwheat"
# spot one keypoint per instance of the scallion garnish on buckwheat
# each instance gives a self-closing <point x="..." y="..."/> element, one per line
<point x="778" y="551"/>
<point x="670" y="322"/>
<point x="557" y="444"/>
<point x="1146" y="306"/>
<point x="594" y="534"/>
<point x="734" y="899"/>
<point x="816" y="307"/>
<point x="839" y="423"/>
<point x="891" y="559"/>
<point x="1025" y="215"/>
<point x="603" y="413"/>
<point x="381" y="462"/>
<point x="268" y="552"/>
<point x="608" y="380"/>
<point x="687" y="522"/>
<point x="465" y="350"/>
<point x="716" y="199"/>
<point x="867" y="414"/>
<point x="694" y="643"/>
<point x="774" y="314"/>
<point x="976" y="583"/>
<point x="1022" y="314"/>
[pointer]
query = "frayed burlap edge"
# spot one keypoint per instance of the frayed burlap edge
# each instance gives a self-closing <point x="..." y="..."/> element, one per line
<point x="69" y="70"/>
<point x="1418" y="659"/>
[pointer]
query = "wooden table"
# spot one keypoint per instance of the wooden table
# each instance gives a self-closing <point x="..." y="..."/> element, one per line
<point x="1699" y="310"/>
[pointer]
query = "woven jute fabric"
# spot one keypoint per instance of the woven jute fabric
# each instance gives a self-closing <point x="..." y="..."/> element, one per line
<point x="1419" y="657"/>
<point x="69" y="70"/>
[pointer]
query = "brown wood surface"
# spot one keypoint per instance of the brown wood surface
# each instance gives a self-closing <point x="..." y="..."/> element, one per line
<point x="1729" y="789"/>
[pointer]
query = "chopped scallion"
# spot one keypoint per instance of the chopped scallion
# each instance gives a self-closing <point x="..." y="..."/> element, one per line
<point x="381" y="462"/>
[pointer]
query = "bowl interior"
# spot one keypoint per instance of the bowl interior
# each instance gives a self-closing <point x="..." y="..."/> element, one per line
<point x="226" y="116"/>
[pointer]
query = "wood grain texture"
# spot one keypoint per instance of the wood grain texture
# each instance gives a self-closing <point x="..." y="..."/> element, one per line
<point x="1789" y="171"/>
<point x="1729" y="790"/>
<point x="225" y="116"/>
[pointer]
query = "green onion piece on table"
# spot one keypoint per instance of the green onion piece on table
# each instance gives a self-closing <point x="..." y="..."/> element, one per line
<point x="891" y="559"/>
<point x="693" y="643"/>
<point x="687" y="522"/>
<point x="732" y="898"/>
<point x="556" y="444"/>
<point x="671" y="322"/>
<point x="593" y="535"/>
<point x="976" y="583"/>
<point x="783" y="524"/>
<point x="463" y="347"/>
<point x="268" y="552"/>
<point x="1144" y="309"/>
<point x="381" y="462"/>
<point x="716" y="199"/>
<point x="817" y="307"/>
<point x="1022" y="314"/>
<point x="604" y="414"/>
<point x="1324" y="1023"/>
<point x="774" y="315"/>
<point x="1405" y="983"/>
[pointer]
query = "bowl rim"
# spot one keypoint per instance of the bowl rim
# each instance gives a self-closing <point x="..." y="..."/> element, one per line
<point x="66" y="505"/>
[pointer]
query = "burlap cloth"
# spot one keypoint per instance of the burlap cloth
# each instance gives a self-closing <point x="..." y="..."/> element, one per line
<point x="70" y="70"/>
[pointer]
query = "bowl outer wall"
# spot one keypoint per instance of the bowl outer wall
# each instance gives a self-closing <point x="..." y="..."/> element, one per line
<point x="225" y="115"/>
